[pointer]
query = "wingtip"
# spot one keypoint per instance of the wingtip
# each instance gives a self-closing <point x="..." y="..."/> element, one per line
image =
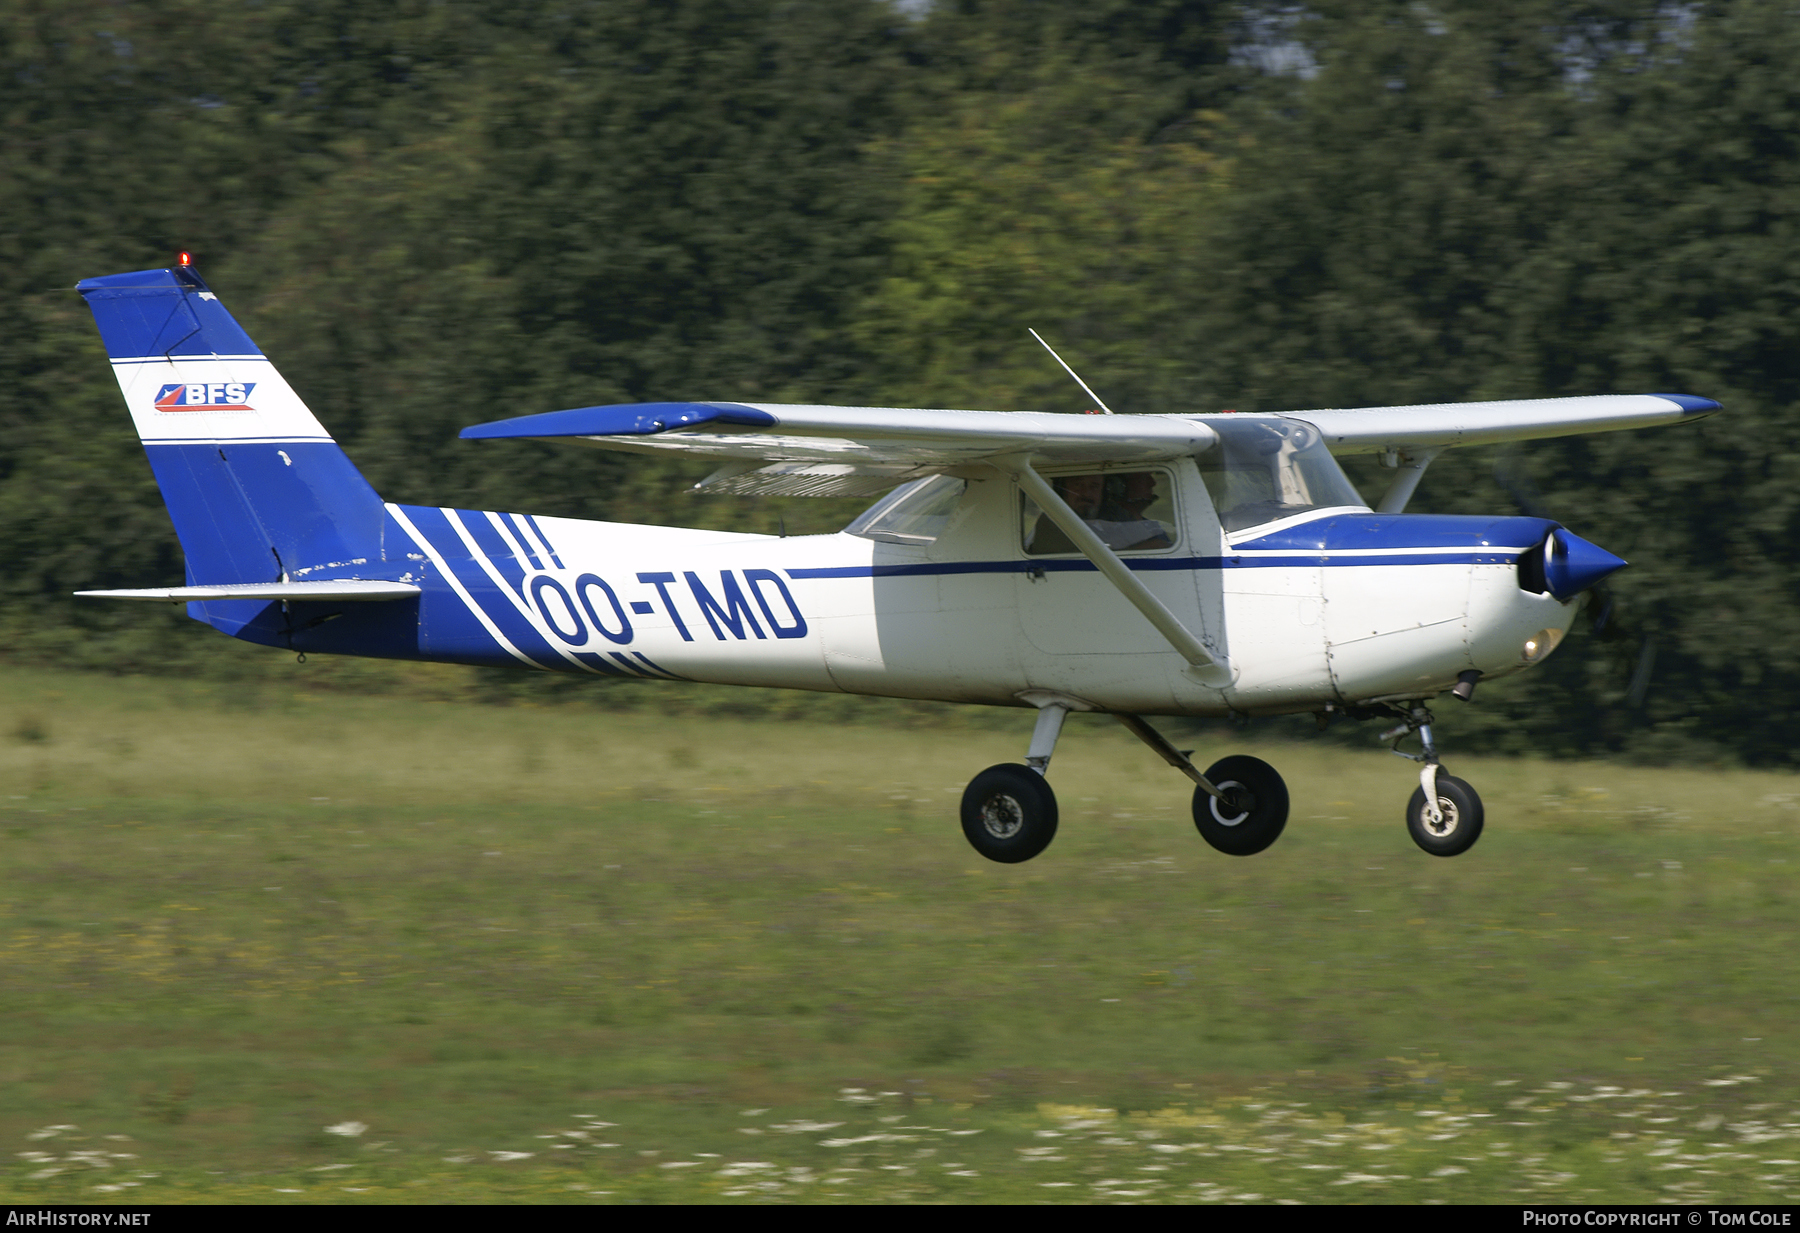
<point x="1693" y="404"/>
<point x="622" y="419"/>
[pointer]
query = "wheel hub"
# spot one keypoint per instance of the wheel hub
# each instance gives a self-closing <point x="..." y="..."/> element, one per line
<point x="1239" y="800"/>
<point x="1447" y="819"/>
<point x="1002" y="816"/>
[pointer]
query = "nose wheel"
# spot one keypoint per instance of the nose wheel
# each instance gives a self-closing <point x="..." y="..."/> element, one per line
<point x="1445" y="815"/>
<point x="1458" y="822"/>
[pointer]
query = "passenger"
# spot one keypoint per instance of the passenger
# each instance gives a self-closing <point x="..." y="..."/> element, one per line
<point x="1084" y="493"/>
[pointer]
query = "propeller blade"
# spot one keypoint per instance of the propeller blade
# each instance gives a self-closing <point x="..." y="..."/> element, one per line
<point x="1640" y="675"/>
<point x="1602" y="604"/>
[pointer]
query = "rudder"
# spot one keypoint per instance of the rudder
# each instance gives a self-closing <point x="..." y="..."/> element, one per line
<point x="257" y="489"/>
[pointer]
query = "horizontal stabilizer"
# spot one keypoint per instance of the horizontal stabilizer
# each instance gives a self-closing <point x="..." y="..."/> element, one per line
<point x="348" y="590"/>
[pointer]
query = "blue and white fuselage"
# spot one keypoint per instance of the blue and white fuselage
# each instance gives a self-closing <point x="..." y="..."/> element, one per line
<point x="1142" y="565"/>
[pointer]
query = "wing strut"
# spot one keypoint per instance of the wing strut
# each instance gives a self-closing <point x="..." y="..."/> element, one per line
<point x="1204" y="666"/>
<point x="1409" y="470"/>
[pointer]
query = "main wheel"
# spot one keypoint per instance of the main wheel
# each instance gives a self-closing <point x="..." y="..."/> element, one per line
<point x="1009" y="813"/>
<point x="1462" y="818"/>
<point x="1254" y="811"/>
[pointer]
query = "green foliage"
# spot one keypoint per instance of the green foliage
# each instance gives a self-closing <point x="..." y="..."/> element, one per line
<point x="1470" y="202"/>
<point x="1031" y="208"/>
<point x="625" y="203"/>
<point x="437" y="215"/>
<point x="434" y="215"/>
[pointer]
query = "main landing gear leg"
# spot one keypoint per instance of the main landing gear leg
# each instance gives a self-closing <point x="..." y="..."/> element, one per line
<point x="1044" y="736"/>
<point x="1009" y="811"/>
<point x="1445" y="815"/>
<point x="1240" y="804"/>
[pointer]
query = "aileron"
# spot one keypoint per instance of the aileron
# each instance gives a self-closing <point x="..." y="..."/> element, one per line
<point x="1371" y="430"/>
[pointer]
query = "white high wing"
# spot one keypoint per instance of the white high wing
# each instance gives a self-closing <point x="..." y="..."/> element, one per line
<point x="1139" y="565"/>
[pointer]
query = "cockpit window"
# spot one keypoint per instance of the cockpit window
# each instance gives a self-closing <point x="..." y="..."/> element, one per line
<point x="914" y="513"/>
<point x="1264" y="469"/>
<point x="1131" y="511"/>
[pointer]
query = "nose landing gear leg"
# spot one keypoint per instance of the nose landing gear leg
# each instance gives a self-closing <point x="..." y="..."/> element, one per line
<point x="1445" y="815"/>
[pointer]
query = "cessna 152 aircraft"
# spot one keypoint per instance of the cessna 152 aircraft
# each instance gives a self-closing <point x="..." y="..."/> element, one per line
<point x="1137" y="565"/>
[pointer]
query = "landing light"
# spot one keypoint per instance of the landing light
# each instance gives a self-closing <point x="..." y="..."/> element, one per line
<point x="1540" y="644"/>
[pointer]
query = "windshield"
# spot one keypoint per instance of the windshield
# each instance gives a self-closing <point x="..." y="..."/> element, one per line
<point x="1264" y="469"/>
<point x="914" y="513"/>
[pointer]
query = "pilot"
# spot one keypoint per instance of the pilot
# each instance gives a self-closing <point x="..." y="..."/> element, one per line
<point x="1113" y="507"/>
<point x="1129" y="496"/>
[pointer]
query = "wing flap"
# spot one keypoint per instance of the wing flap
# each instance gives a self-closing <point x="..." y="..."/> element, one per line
<point x="807" y="479"/>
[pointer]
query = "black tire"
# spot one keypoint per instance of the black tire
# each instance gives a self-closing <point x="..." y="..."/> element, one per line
<point x="1463" y="816"/>
<point x="1009" y="813"/>
<point x="1257" y="810"/>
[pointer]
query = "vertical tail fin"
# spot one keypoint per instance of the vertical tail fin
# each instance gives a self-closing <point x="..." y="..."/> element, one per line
<point x="257" y="489"/>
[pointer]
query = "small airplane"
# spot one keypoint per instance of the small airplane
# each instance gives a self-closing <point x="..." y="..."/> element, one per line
<point x="1135" y="565"/>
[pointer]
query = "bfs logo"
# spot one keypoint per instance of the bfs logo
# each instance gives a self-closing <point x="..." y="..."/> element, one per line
<point x="213" y="396"/>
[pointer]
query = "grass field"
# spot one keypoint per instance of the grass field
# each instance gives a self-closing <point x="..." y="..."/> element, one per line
<point x="263" y="946"/>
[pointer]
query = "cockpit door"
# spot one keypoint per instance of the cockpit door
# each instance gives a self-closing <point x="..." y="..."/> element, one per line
<point x="1066" y="607"/>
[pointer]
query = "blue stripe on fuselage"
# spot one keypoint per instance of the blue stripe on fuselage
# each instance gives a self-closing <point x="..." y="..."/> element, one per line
<point x="466" y="640"/>
<point x="1286" y="561"/>
<point x="500" y="553"/>
<point x="1337" y="542"/>
<point x="1367" y="532"/>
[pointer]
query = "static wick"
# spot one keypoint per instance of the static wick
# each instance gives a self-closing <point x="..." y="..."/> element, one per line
<point x="1059" y="359"/>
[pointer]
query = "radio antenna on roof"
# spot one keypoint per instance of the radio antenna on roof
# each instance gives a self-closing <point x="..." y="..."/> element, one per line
<point x="1059" y="359"/>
